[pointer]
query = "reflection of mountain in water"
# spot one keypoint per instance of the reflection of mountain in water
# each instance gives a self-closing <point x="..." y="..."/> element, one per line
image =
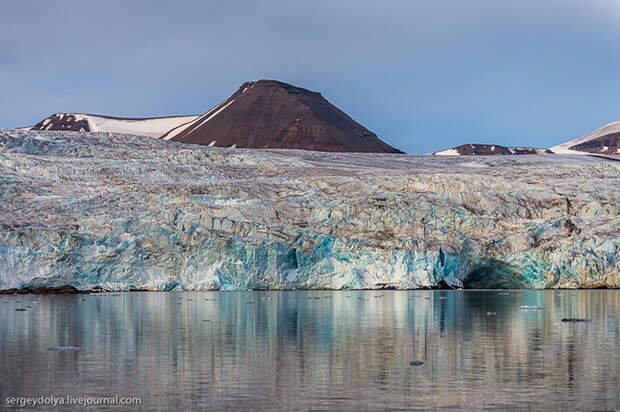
<point x="339" y="350"/>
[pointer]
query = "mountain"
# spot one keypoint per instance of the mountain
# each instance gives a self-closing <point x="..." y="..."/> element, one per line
<point x="148" y="126"/>
<point x="277" y="115"/>
<point x="491" y="149"/>
<point x="605" y="140"/>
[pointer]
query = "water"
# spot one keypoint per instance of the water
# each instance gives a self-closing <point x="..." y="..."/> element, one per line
<point x="320" y="350"/>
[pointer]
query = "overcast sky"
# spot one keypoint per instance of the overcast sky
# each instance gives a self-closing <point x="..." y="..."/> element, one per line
<point x="424" y="75"/>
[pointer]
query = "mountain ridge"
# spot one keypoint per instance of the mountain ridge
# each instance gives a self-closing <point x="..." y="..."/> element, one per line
<point x="491" y="150"/>
<point x="602" y="141"/>
<point x="605" y="140"/>
<point x="283" y="116"/>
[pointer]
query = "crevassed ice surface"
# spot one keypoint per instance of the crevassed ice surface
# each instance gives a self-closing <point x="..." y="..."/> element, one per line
<point x="121" y="212"/>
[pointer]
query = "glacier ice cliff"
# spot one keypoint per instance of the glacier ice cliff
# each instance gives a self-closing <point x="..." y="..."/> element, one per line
<point x="118" y="212"/>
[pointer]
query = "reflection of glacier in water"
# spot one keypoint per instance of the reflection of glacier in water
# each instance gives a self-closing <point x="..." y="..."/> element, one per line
<point x="319" y="349"/>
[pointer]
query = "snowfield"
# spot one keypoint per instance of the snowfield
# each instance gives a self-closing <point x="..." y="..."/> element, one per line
<point x="152" y="127"/>
<point x="449" y="152"/>
<point x="119" y="212"/>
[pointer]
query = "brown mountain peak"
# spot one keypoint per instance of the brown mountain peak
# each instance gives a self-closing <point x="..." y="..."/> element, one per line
<point x="273" y="114"/>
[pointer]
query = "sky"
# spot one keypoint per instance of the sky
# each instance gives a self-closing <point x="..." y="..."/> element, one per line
<point x="424" y="75"/>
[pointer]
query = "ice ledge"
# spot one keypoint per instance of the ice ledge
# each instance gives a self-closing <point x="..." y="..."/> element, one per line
<point x="120" y="212"/>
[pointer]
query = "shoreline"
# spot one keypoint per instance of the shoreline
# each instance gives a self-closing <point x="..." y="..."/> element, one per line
<point x="72" y="290"/>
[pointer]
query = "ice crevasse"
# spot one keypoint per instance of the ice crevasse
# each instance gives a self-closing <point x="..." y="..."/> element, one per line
<point x="120" y="212"/>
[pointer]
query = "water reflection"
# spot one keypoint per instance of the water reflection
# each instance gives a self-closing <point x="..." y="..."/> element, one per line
<point x="318" y="349"/>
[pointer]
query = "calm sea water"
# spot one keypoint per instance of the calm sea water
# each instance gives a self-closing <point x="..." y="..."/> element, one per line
<point x="319" y="350"/>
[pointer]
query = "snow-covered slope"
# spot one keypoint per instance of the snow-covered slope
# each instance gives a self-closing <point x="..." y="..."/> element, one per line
<point x="610" y="132"/>
<point x="153" y="127"/>
<point x="448" y="152"/>
<point x="120" y="211"/>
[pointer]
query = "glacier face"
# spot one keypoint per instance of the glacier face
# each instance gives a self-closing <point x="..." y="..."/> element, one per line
<point x="118" y="212"/>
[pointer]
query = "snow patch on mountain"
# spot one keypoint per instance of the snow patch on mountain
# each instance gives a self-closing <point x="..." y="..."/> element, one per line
<point x="152" y="127"/>
<point x="449" y="152"/>
<point x="564" y="148"/>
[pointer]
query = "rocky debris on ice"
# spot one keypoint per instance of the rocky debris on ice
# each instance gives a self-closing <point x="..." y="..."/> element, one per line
<point x="118" y="212"/>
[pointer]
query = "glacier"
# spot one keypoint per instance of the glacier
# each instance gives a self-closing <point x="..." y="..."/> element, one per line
<point x="102" y="211"/>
